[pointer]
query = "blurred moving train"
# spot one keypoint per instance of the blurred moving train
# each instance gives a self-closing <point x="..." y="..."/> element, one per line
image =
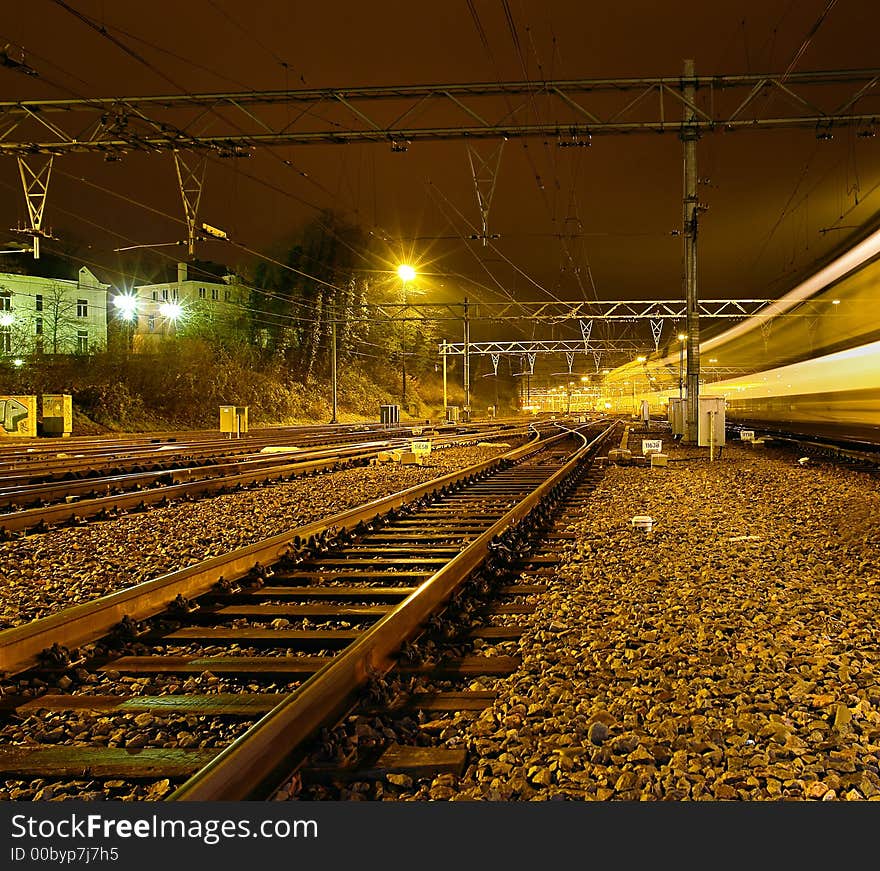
<point x="811" y="358"/>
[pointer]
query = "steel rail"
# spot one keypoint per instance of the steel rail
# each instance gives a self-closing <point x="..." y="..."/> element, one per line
<point x="64" y="512"/>
<point x="21" y="646"/>
<point x="274" y="745"/>
<point x="18" y="493"/>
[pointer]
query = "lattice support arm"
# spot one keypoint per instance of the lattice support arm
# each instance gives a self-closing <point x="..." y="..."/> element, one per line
<point x="35" y="177"/>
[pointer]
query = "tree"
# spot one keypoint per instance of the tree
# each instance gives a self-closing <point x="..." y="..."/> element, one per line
<point x="316" y="281"/>
<point x="59" y="320"/>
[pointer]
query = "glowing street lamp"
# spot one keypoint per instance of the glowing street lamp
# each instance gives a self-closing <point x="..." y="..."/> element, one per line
<point x="6" y="319"/>
<point x="127" y="305"/>
<point x="171" y="310"/>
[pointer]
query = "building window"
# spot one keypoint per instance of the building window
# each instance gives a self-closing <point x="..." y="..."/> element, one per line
<point x="202" y="293"/>
<point x="174" y="294"/>
<point x="213" y="293"/>
<point x="38" y="327"/>
<point x="151" y="323"/>
<point x="82" y="342"/>
<point x="82" y="308"/>
<point x="5" y="340"/>
<point x="155" y="294"/>
<point x="38" y="302"/>
<point x="165" y="294"/>
<point x="6" y="301"/>
<point x="226" y="295"/>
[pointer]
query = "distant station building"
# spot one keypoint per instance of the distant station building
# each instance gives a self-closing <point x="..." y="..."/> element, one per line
<point x="52" y="315"/>
<point x="198" y="303"/>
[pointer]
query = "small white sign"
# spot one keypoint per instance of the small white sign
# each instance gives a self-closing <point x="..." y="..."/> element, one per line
<point x="746" y="435"/>
<point x="652" y="446"/>
<point x="420" y="447"/>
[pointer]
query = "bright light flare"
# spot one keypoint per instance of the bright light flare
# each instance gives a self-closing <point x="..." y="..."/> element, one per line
<point x="127" y="305"/>
<point x="170" y="310"/>
<point x="6" y="319"/>
<point x="406" y="272"/>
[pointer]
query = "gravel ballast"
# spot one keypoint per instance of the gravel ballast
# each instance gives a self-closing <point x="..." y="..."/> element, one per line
<point x="732" y="653"/>
<point x="46" y="572"/>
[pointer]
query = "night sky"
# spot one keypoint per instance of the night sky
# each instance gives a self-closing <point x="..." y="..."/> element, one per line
<point x="574" y="223"/>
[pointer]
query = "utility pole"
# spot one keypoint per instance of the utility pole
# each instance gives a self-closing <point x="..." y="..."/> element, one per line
<point x="333" y="363"/>
<point x="689" y="134"/>
<point x="445" y="400"/>
<point x="403" y="352"/>
<point x="467" y="360"/>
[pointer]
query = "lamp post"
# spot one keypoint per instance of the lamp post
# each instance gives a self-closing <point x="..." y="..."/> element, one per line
<point x="406" y="273"/>
<point x="641" y="360"/>
<point x="682" y="338"/>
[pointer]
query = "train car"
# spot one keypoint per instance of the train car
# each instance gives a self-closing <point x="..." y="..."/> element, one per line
<point x="811" y="358"/>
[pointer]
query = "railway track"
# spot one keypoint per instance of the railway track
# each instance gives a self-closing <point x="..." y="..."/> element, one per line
<point x="854" y="453"/>
<point x="285" y="635"/>
<point x="103" y="497"/>
<point x="68" y="463"/>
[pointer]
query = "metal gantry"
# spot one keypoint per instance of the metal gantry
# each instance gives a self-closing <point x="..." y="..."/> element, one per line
<point x="688" y="106"/>
<point x="581" y="108"/>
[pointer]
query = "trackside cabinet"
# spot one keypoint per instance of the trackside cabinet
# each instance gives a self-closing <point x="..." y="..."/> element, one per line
<point x="389" y="415"/>
<point x="234" y="419"/>
<point x="675" y="414"/>
<point x="57" y="414"/>
<point x="711" y="422"/>
<point x="18" y="416"/>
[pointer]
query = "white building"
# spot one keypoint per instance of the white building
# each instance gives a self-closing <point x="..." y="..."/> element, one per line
<point x="188" y="306"/>
<point x="52" y="315"/>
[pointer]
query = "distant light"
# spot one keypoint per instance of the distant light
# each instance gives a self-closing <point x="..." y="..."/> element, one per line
<point x="681" y="337"/>
<point x="835" y="302"/>
<point x="585" y="377"/>
<point x="127" y="305"/>
<point x="6" y="320"/>
<point x="170" y="310"/>
<point x="641" y="359"/>
<point x="18" y="362"/>
<point x="713" y="359"/>
<point x="406" y="272"/>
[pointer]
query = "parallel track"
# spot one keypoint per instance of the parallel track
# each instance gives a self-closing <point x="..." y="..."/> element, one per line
<point x="64" y="503"/>
<point x="384" y="570"/>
